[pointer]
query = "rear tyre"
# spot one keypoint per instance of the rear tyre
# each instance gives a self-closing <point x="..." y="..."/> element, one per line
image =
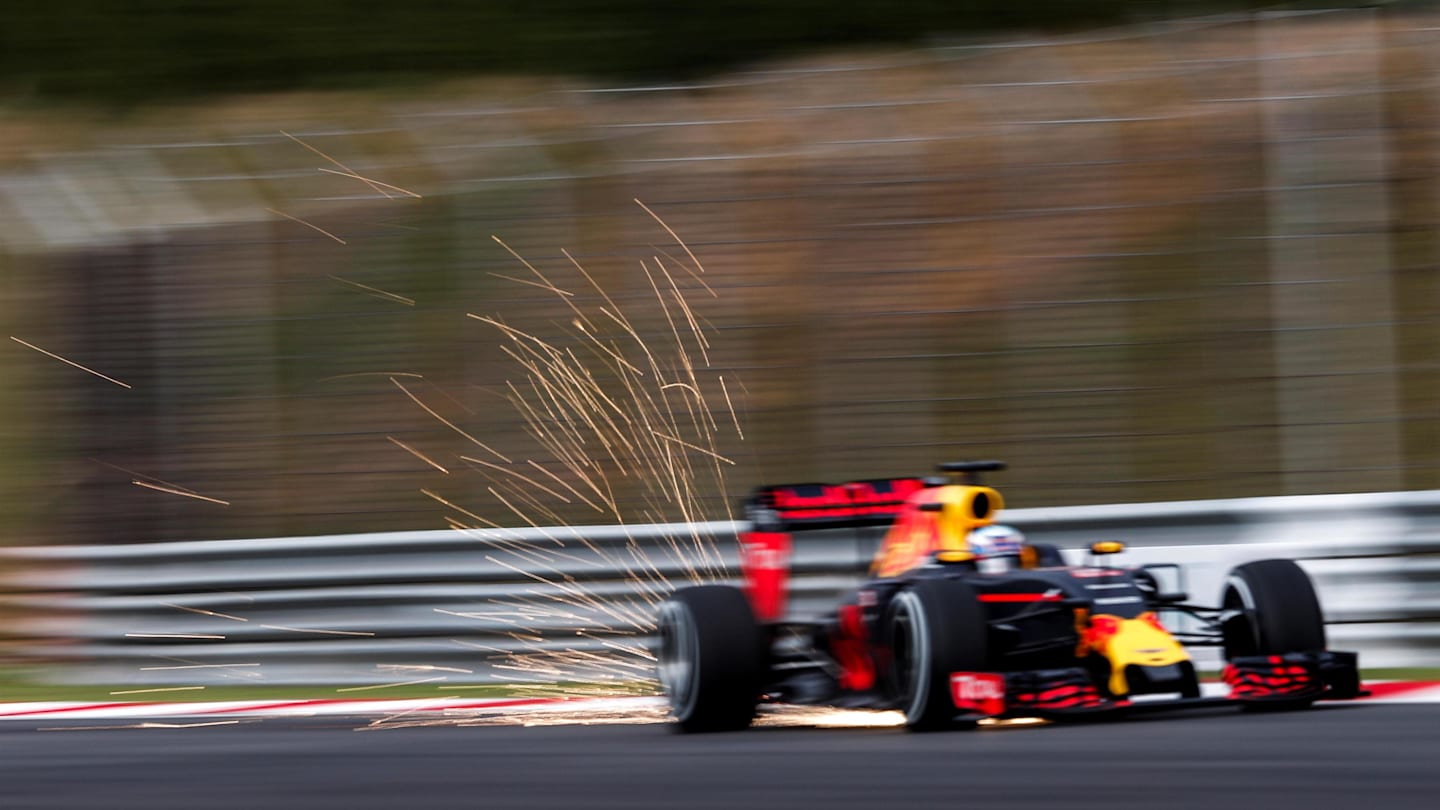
<point x="933" y="627"/>
<point x="1274" y="612"/>
<point x="711" y="658"/>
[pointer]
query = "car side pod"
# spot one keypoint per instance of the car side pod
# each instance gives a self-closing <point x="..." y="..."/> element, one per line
<point x="1294" y="678"/>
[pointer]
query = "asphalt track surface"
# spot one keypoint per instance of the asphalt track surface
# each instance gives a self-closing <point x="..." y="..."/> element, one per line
<point x="1342" y="756"/>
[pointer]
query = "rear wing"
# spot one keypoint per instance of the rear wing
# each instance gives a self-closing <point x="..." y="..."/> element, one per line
<point x="776" y="512"/>
<point x="792" y="507"/>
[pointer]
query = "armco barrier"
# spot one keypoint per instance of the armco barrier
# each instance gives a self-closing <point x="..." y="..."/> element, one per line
<point x="410" y="605"/>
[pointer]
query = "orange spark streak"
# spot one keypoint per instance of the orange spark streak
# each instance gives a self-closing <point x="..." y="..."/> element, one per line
<point x="371" y="181"/>
<point x="149" y="724"/>
<point x="376" y="291"/>
<point x="673" y="235"/>
<point x="204" y="612"/>
<point x="442" y="392"/>
<point x="389" y="685"/>
<point x="528" y="266"/>
<point x="448" y="423"/>
<point x="142" y="475"/>
<point x="527" y="479"/>
<point x="694" y="447"/>
<point x="201" y="666"/>
<point x="563" y="483"/>
<point x="336" y="162"/>
<point x="687" y="269"/>
<point x="550" y="287"/>
<point x="416" y="453"/>
<point x="492" y="524"/>
<point x="316" y="630"/>
<point x="308" y="225"/>
<point x="731" y="407"/>
<point x="161" y="689"/>
<point x="373" y="374"/>
<point x="71" y="362"/>
<point x="179" y="492"/>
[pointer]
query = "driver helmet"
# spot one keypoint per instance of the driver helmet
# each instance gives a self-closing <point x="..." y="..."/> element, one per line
<point x="996" y="543"/>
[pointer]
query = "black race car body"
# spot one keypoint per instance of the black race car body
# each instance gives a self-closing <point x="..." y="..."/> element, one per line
<point x="944" y="637"/>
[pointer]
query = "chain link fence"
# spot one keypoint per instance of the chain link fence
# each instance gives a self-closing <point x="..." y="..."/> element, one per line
<point x="1190" y="260"/>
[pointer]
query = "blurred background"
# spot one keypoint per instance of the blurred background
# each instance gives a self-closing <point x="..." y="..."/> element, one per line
<point x="1141" y="251"/>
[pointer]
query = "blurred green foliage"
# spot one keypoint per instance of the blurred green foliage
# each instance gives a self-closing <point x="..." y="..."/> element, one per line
<point x="127" y="52"/>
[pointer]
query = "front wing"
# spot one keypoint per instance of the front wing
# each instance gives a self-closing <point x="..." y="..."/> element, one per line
<point x="1274" y="679"/>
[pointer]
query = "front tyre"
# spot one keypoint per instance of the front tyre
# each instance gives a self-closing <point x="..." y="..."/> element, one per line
<point x="933" y="627"/>
<point x="711" y="658"/>
<point x="1271" y="609"/>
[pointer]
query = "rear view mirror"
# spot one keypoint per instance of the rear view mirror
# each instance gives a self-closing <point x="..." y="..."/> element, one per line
<point x="1169" y="582"/>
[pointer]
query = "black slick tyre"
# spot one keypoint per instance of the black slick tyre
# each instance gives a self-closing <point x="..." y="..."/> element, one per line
<point x="1278" y="611"/>
<point x="933" y="627"/>
<point x="711" y="658"/>
<point x="1273" y="611"/>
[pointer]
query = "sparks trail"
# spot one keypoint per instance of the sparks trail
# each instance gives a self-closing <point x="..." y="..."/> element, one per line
<point x="390" y="685"/>
<point x="446" y="422"/>
<point x="180" y="492"/>
<point x="158" y="689"/>
<point x="373" y="183"/>
<point x="319" y="631"/>
<point x="618" y="402"/>
<point x="522" y="476"/>
<point x="204" y="612"/>
<point x="128" y="471"/>
<point x="416" y="453"/>
<point x="422" y="668"/>
<point x="375" y="291"/>
<point x="200" y="666"/>
<point x="351" y="172"/>
<point x="372" y="374"/>
<point x="307" y="224"/>
<point x="160" y="484"/>
<point x="71" y="363"/>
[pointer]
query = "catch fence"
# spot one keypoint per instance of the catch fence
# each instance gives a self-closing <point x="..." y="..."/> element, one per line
<point x="1166" y="262"/>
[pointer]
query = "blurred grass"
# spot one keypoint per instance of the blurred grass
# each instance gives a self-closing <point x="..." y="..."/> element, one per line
<point x="1403" y="674"/>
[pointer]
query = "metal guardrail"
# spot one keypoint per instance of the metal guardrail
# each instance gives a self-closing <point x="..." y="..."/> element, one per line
<point x="386" y="607"/>
<point x="1374" y="557"/>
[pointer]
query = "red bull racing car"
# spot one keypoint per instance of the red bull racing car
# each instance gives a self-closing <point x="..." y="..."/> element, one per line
<point x="949" y="634"/>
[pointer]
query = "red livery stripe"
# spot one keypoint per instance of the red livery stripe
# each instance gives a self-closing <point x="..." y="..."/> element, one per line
<point x="1020" y="597"/>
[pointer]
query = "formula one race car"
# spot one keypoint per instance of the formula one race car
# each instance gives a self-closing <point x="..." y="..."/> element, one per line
<point x="948" y="632"/>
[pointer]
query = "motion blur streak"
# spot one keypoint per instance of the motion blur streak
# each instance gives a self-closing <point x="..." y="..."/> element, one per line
<point x="1344" y="756"/>
<point x="1178" y="261"/>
